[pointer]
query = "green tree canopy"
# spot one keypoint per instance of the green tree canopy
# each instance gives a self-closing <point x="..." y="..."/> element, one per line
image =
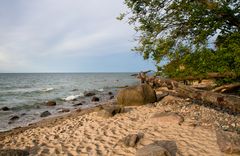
<point x="174" y="30"/>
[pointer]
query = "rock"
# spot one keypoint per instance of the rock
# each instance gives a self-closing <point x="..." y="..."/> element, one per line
<point x="152" y="150"/>
<point x="45" y="114"/>
<point x="161" y="96"/>
<point x="13" y="118"/>
<point x="166" y="117"/>
<point x="111" y="97"/>
<point x="110" y="111"/>
<point x="51" y="103"/>
<point x="136" y="95"/>
<point x="95" y="99"/>
<point x="5" y="108"/>
<point x="77" y="104"/>
<point x="228" y="142"/>
<point x="132" y="139"/>
<point x="13" y="152"/>
<point x="64" y="110"/>
<point x="87" y="94"/>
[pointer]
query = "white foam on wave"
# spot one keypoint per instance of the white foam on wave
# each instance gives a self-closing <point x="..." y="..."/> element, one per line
<point x="47" y="89"/>
<point x="72" y="97"/>
<point x="101" y="90"/>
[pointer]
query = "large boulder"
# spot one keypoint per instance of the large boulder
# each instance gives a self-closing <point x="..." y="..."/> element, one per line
<point x="136" y="95"/>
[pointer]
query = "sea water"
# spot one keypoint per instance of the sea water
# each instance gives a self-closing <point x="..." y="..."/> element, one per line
<point x="26" y="94"/>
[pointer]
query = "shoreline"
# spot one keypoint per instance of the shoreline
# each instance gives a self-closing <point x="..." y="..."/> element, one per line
<point x="55" y="119"/>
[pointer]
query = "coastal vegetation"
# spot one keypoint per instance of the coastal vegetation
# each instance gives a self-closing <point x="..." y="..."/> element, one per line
<point x="188" y="38"/>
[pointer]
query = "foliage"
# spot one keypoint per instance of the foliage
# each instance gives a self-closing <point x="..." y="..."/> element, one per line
<point x="180" y="31"/>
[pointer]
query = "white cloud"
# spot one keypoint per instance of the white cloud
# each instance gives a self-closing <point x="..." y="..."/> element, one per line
<point x="36" y="31"/>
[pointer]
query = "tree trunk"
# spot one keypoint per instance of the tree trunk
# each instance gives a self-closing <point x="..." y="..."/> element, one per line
<point x="221" y="100"/>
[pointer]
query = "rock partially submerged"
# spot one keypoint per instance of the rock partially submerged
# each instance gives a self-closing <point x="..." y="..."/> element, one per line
<point x="51" y="103"/>
<point x="95" y="99"/>
<point x="88" y="94"/>
<point x="64" y="110"/>
<point x="13" y="152"/>
<point x="45" y="114"/>
<point x="13" y="118"/>
<point x="5" y="108"/>
<point x="136" y="95"/>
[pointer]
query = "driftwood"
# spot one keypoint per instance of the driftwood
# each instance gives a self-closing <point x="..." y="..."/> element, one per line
<point x="230" y="102"/>
<point x="226" y="88"/>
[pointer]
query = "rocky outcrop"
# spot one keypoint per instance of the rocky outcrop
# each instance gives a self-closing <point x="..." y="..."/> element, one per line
<point x="45" y="114"/>
<point x="13" y="152"/>
<point x="51" y="103"/>
<point x="228" y="142"/>
<point x="136" y="95"/>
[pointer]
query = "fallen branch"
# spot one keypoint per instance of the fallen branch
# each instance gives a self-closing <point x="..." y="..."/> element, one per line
<point x="226" y="88"/>
<point x="230" y="102"/>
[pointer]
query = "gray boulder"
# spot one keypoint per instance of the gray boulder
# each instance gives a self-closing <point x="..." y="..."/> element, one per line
<point x="136" y="95"/>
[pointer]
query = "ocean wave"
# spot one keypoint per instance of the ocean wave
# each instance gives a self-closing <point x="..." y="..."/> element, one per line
<point x="100" y="90"/>
<point x="47" y="89"/>
<point x="73" y="97"/>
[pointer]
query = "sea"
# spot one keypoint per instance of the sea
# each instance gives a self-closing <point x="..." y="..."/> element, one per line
<point x="26" y="94"/>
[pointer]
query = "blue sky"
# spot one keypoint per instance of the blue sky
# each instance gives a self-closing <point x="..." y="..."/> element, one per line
<point x="66" y="36"/>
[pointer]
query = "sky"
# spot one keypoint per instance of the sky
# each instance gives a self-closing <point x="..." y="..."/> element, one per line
<point x="66" y="36"/>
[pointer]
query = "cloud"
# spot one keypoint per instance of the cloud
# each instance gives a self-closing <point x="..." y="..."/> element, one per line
<point x="41" y="33"/>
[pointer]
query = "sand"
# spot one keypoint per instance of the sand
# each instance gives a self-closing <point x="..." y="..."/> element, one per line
<point x="88" y="134"/>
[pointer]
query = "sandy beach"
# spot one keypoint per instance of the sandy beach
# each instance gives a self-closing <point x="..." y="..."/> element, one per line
<point x="88" y="133"/>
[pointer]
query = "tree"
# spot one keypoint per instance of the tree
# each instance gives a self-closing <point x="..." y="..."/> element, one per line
<point x="181" y="30"/>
